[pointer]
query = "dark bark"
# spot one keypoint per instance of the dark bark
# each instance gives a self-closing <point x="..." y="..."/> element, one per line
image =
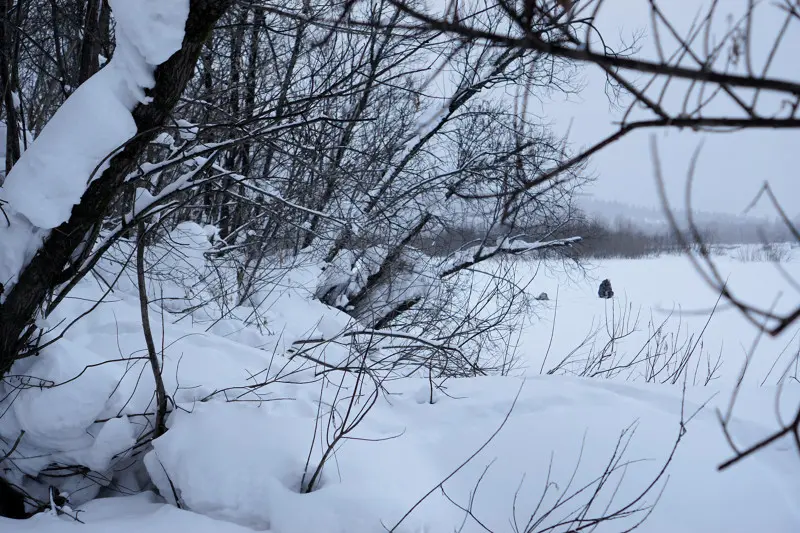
<point x="227" y="219"/>
<point x="161" y="393"/>
<point x="283" y="95"/>
<point x="9" y="83"/>
<point x="92" y="39"/>
<point x="41" y="275"/>
<point x="12" y="502"/>
<point x="207" y="61"/>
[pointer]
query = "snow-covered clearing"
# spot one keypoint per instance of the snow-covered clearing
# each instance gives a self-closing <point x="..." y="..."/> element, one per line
<point x="241" y="436"/>
<point x="667" y="293"/>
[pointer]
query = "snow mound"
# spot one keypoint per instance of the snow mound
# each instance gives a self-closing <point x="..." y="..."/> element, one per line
<point x="243" y="464"/>
<point x="143" y="512"/>
<point x="59" y="415"/>
<point x="250" y="421"/>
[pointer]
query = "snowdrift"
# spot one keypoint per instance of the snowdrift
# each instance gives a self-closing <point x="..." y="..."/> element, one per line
<point x="250" y="424"/>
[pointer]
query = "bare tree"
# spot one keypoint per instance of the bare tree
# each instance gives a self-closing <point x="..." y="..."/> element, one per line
<point x="56" y="262"/>
<point x="702" y="68"/>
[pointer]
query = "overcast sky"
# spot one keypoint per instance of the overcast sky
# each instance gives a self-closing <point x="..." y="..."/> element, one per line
<point x="732" y="166"/>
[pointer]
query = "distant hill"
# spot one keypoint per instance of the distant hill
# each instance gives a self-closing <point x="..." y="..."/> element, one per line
<point x="724" y="227"/>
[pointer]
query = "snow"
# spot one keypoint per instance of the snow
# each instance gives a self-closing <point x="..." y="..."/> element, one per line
<point x="251" y="424"/>
<point x="667" y="289"/>
<point x="259" y="411"/>
<point x="266" y="433"/>
<point x="264" y="491"/>
<point x="124" y="515"/>
<point x="381" y="480"/>
<point x="54" y="172"/>
<point x="153" y="28"/>
<point x="187" y="130"/>
<point x="67" y="414"/>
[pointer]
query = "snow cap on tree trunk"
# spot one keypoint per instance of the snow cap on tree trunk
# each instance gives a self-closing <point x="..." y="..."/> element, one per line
<point x="95" y="121"/>
<point x="149" y="32"/>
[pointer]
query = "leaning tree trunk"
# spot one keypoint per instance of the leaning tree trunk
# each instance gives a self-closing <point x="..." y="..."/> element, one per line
<point x="47" y="268"/>
<point x="9" y="80"/>
<point x="95" y="28"/>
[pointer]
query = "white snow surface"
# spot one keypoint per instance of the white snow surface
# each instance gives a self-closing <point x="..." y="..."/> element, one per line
<point x="143" y="512"/>
<point x="235" y="453"/>
<point x="95" y="121"/>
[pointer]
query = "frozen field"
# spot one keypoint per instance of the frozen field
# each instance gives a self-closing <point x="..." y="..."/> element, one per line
<point x="571" y="450"/>
<point x="664" y="293"/>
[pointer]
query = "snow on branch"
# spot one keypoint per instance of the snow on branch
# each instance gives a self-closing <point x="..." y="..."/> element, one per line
<point x="95" y="121"/>
<point x="506" y="246"/>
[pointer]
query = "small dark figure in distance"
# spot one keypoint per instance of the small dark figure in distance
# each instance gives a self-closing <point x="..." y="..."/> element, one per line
<point x="543" y="297"/>
<point x="605" y="290"/>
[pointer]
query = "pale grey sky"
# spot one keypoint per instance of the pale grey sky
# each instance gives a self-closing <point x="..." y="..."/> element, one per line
<point x="732" y="166"/>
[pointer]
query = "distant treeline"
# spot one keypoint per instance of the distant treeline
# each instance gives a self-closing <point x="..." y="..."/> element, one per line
<point x="625" y="239"/>
<point x="622" y="238"/>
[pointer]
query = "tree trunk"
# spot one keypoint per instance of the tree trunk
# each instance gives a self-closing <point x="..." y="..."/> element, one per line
<point x="92" y="39"/>
<point x="45" y="271"/>
<point x="227" y="219"/>
<point x="9" y="84"/>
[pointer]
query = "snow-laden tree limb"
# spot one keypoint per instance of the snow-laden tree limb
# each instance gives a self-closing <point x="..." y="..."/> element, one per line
<point x="472" y="256"/>
<point x="160" y="45"/>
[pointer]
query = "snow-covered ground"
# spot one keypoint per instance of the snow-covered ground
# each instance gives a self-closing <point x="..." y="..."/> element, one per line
<point x="249" y="422"/>
<point x="608" y="419"/>
<point x="668" y="293"/>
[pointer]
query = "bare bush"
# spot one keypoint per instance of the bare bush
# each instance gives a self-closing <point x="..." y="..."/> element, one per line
<point x="765" y="253"/>
<point x="667" y="355"/>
